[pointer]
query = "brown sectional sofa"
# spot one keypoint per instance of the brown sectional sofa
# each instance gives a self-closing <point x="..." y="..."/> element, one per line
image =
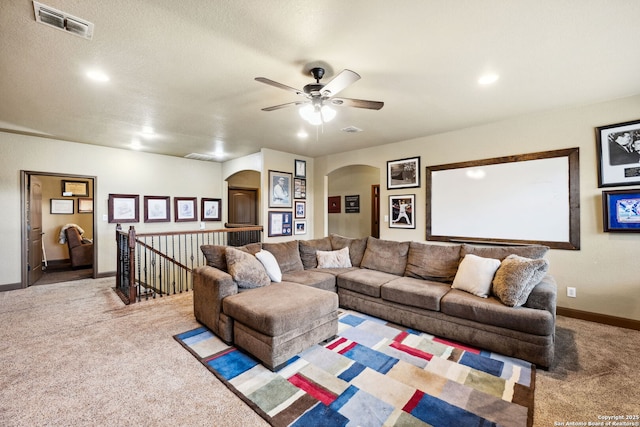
<point x="407" y="283"/>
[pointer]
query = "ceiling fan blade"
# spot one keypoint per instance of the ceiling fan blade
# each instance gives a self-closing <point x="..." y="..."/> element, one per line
<point x="288" y="104"/>
<point x="279" y="85"/>
<point x="357" y="103"/>
<point x="339" y="82"/>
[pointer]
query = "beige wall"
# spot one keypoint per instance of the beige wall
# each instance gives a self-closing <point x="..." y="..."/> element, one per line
<point x="348" y="181"/>
<point x="116" y="171"/>
<point x="606" y="270"/>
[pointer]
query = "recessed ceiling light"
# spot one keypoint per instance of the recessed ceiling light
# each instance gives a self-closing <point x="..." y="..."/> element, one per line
<point x="97" y="76"/>
<point x="488" y="79"/>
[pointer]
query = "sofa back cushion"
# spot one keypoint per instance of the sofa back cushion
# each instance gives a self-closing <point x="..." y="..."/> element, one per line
<point x="356" y="247"/>
<point x="432" y="262"/>
<point x="287" y="254"/>
<point x="215" y="254"/>
<point x="308" y="249"/>
<point x="501" y="252"/>
<point x="215" y="257"/>
<point x="386" y="256"/>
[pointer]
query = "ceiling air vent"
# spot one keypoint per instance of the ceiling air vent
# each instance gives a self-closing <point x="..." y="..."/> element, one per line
<point x="62" y="21"/>
<point x="204" y="157"/>
<point x="351" y="129"/>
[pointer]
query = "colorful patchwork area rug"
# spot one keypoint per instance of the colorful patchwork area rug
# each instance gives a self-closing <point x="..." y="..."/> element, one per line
<point x="376" y="374"/>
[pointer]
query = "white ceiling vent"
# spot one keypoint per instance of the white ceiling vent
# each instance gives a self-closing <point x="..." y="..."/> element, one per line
<point x="62" y="21"/>
<point x="204" y="157"/>
<point x="351" y="129"/>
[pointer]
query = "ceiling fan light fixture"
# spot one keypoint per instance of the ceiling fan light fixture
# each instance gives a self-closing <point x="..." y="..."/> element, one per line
<point x="316" y="115"/>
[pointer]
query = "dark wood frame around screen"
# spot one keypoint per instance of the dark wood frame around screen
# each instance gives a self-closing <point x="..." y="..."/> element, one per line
<point x="572" y="155"/>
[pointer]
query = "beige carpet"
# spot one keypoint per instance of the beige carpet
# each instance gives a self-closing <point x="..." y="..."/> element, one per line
<point x="72" y="354"/>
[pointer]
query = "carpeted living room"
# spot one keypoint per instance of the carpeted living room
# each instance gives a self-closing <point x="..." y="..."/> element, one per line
<point x="458" y="183"/>
<point x="75" y="355"/>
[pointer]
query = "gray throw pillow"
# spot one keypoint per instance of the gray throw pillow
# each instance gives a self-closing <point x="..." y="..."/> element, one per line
<point x="516" y="277"/>
<point x="215" y="256"/>
<point x="245" y="269"/>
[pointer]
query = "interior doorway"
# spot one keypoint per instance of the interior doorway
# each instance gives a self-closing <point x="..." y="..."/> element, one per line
<point x="375" y="211"/>
<point x="51" y="203"/>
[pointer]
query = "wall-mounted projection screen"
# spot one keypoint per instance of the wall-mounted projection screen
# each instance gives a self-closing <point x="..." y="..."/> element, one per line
<point x="528" y="198"/>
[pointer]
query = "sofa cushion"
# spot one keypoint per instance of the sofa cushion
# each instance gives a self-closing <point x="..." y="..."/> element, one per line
<point x="281" y="307"/>
<point x="308" y="250"/>
<point x="491" y="311"/>
<point x="432" y="262"/>
<point x="245" y="269"/>
<point x="501" y="252"/>
<point x="516" y="278"/>
<point x="415" y="292"/>
<point x="270" y="265"/>
<point x="356" y="247"/>
<point x="475" y="275"/>
<point x="287" y="254"/>
<point x="215" y="257"/>
<point x="334" y="259"/>
<point x="363" y="281"/>
<point x="313" y="278"/>
<point x="385" y="255"/>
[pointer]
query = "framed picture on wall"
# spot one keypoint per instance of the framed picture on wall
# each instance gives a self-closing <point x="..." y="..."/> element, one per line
<point x="618" y="150"/>
<point x="211" y="209"/>
<point x="300" y="227"/>
<point x="403" y="173"/>
<point x="334" y="204"/>
<point x="279" y="189"/>
<point x="402" y="211"/>
<point x="124" y="208"/>
<point x="300" y="168"/>
<point x="301" y="209"/>
<point x="299" y="188"/>
<point x="157" y="209"/>
<point x="352" y="204"/>
<point x="621" y="211"/>
<point x="280" y="224"/>
<point x="185" y="209"/>
<point x="85" y="205"/>
<point x="75" y="188"/>
<point x="62" y="206"/>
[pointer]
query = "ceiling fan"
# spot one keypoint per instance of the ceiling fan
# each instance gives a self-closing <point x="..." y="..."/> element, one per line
<point x="316" y="108"/>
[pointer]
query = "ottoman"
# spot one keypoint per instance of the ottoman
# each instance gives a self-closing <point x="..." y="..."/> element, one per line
<point x="278" y="321"/>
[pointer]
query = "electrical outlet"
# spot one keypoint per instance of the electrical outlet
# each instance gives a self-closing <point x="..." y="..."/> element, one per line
<point x="571" y="292"/>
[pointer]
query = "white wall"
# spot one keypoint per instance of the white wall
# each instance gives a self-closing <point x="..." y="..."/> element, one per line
<point x="117" y="171"/>
<point x="349" y="181"/>
<point x="606" y="270"/>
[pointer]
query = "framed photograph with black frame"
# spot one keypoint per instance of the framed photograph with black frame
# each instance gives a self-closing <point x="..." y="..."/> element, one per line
<point x="301" y="209"/>
<point x="352" y="204"/>
<point x="211" y="209"/>
<point x="280" y="223"/>
<point x="618" y="150"/>
<point x="124" y="208"/>
<point x="402" y="211"/>
<point x="403" y="173"/>
<point x="75" y="188"/>
<point x="185" y="209"/>
<point x="157" y="209"/>
<point x="279" y="189"/>
<point x="299" y="188"/>
<point x="300" y="168"/>
<point x="621" y="211"/>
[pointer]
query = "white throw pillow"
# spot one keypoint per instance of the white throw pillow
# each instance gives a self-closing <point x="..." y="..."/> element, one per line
<point x="334" y="259"/>
<point x="475" y="275"/>
<point x="270" y="264"/>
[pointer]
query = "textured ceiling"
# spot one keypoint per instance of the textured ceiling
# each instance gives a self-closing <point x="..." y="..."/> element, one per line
<point x="186" y="68"/>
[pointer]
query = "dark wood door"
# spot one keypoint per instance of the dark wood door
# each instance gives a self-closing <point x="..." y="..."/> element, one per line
<point x="34" y="229"/>
<point x="243" y="206"/>
<point x="375" y="211"/>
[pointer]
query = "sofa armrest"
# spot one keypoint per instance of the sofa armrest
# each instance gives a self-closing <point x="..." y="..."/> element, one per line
<point x="210" y="287"/>
<point x="544" y="295"/>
